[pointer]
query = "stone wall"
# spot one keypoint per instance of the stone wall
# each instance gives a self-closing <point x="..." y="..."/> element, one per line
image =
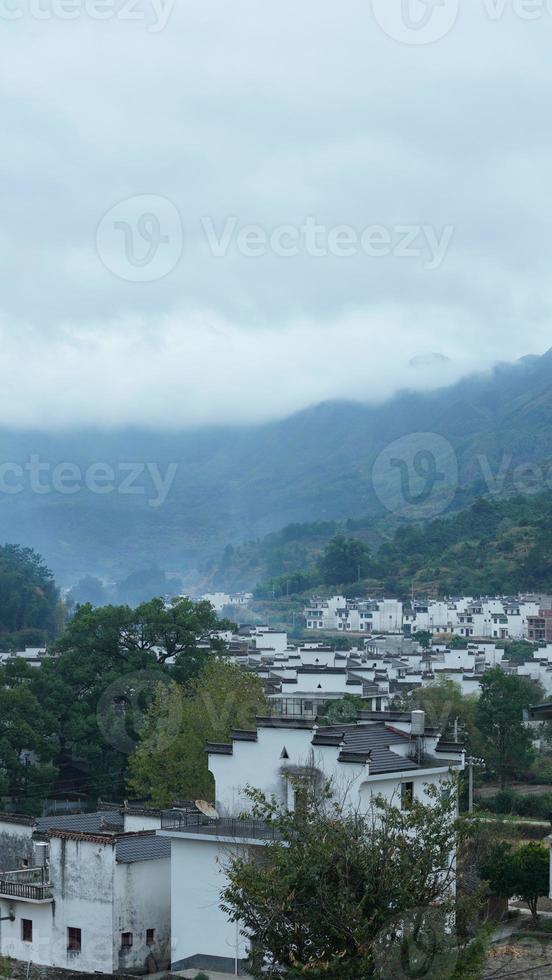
<point x="19" y="970"/>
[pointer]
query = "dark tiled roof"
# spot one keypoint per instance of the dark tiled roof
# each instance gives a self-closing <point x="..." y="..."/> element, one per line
<point x="244" y="735"/>
<point x="146" y="848"/>
<point x="373" y="743"/>
<point x="86" y="823"/>
<point x="19" y="818"/>
<point x="218" y="748"/>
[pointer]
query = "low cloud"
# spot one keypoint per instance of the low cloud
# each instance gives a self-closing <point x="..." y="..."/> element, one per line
<point x="130" y="143"/>
<point x="198" y="369"/>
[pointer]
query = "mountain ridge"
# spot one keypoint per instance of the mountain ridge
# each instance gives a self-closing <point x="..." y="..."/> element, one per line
<point x="237" y="484"/>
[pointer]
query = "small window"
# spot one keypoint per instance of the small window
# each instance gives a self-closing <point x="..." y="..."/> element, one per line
<point x="407" y="795"/>
<point x="27" y="930"/>
<point x="126" y="940"/>
<point x="74" y="941"/>
<point x="150" y="937"/>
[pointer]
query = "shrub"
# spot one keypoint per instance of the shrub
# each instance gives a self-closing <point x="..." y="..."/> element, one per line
<point x="503" y="802"/>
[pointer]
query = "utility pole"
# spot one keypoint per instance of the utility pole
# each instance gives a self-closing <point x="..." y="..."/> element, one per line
<point x="472" y="761"/>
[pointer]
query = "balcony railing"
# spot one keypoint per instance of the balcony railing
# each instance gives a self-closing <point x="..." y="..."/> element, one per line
<point x="28" y="883"/>
<point x="236" y="828"/>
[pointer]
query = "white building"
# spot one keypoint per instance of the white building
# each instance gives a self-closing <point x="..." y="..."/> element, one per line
<point x="221" y="599"/>
<point x="354" y="615"/>
<point x="375" y="756"/>
<point x="84" y="894"/>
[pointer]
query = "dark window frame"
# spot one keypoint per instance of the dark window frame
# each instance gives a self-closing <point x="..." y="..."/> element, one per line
<point x="26" y="930"/>
<point x="127" y="940"/>
<point x="74" y="939"/>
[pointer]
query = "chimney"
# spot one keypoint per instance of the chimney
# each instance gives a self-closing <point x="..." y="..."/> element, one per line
<point x="417" y="722"/>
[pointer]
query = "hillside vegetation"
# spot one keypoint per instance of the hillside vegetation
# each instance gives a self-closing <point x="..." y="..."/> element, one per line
<point x="229" y="485"/>
<point x="493" y="546"/>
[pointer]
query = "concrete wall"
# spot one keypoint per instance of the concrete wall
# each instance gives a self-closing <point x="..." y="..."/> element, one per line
<point x="142" y="892"/>
<point x="258" y="764"/>
<point x="202" y="936"/>
<point x="138" y="821"/>
<point x="11" y="942"/>
<point x="82" y="875"/>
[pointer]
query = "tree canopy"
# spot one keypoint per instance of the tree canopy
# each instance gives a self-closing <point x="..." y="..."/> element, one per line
<point x="521" y="872"/>
<point x="170" y="760"/>
<point x="29" y="599"/>
<point x="342" y="896"/>
<point x="506" y="740"/>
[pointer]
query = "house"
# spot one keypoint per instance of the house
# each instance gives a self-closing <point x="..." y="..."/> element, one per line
<point x="391" y="754"/>
<point x="354" y="615"/>
<point x="83" y="893"/>
<point x="543" y="712"/>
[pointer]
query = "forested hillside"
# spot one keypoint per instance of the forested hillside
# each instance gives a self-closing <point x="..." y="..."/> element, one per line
<point x="493" y="546"/>
<point x="192" y="493"/>
<point x="29" y="599"/>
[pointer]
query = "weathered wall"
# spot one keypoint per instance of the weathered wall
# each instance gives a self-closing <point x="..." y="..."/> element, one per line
<point x="142" y="901"/>
<point x="16" y="844"/>
<point x="81" y="873"/>
<point x="11" y="942"/>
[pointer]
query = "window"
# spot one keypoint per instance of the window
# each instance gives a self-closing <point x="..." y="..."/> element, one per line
<point x="74" y="941"/>
<point x="150" y="937"/>
<point x="27" y="930"/>
<point x="126" y="940"/>
<point x="407" y="795"/>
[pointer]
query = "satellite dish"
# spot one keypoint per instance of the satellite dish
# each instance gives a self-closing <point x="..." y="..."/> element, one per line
<point x="207" y="809"/>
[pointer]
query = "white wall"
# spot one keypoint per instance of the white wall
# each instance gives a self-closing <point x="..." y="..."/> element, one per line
<point x="199" y="926"/>
<point x="142" y="893"/>
<point x="82" y="880"/>
<point x="11" y="944"/>
<point x="139" y="821"/>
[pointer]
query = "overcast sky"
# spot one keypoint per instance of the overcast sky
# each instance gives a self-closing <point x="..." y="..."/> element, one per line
<point x="399" y="195"/>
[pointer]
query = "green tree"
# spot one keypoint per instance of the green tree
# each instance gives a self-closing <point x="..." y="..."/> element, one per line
<point x="444" y="705"/>
<point x="344" y="560"/>
<point x="102" y="675"/>
<point x="28" y="741"/>
<point x="518" y="651"/>
<point x="341" y="710"/>
<point x="29" y="598"/>
<point x="348" y="897"/>
<point x="506" y="742"/>
<point x="423" y="637"/>
<point x="170" y="760"/>
<point x="522" y="872"/>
